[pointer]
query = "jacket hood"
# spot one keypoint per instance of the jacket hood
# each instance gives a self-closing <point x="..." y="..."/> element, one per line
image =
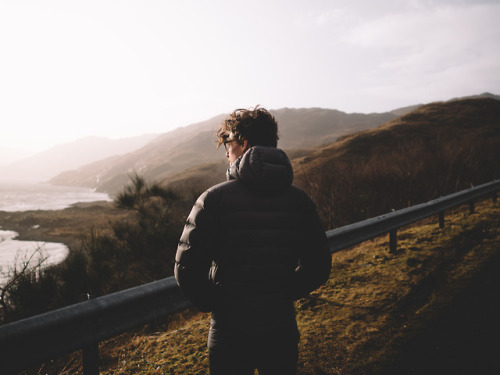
<point x="263" y="168"/>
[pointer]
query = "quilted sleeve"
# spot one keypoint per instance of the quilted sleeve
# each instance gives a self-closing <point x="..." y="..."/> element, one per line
<point x="194" y="255"/>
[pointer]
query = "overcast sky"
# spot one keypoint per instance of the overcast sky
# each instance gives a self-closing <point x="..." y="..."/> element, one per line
<point x="70" y="69"/>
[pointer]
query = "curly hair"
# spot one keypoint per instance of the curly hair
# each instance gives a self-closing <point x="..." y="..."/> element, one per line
<point x="257" y="126"/>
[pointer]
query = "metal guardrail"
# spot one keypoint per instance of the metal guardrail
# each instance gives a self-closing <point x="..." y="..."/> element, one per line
<point x="356" y="233"/>
<point x="31" y="341"/>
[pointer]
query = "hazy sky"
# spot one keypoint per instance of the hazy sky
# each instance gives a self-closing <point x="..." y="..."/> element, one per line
<point x="69" y="69"/>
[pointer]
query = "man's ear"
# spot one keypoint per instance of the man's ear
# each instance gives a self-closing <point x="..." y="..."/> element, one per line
<point x="246" y="146"/>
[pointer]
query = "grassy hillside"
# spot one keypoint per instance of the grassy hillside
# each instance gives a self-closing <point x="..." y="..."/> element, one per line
<point x="379" y="313"/>
<point x="433" y="151"/>
<point x="200" y="177"/>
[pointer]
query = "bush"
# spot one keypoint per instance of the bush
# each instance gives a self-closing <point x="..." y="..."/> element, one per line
<point x="131" y="253"/>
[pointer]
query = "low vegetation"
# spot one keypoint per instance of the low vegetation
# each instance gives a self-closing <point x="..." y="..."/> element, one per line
<point x="369" y="315"/>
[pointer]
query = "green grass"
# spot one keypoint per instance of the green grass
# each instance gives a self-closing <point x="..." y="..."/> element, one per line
<point x="374" y="304"/>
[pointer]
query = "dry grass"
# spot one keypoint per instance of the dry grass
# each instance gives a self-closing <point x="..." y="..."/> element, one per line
<point x="372" y="306"/>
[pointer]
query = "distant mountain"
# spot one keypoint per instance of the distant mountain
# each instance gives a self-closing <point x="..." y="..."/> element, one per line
<point x="194" y="145"/>
<point x="169" y="153"/>
<point x="312" y="127"/>
<point x="8" y="155"/>
<point x="47" y="164"/>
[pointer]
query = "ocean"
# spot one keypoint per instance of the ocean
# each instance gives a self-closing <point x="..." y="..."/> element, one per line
<point x="23" y="195"/>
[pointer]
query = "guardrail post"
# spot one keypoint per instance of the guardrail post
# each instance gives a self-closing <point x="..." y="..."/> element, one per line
<point x="441" y="219"/>
<point x="472" y="207"/>
<point x="91" y="355"/>
<point x="393" y="240"/>
<point x="91" y="359"/>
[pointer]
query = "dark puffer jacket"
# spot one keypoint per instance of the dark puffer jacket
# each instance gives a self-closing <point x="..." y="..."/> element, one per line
<point x="252" y="245"/>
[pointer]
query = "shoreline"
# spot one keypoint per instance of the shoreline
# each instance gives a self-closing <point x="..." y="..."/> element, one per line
<point x="67" y="226"/>
<point x="14" y="252"/>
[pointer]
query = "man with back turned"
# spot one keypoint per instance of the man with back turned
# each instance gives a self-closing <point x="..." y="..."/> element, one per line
<point x="250" y="247"/>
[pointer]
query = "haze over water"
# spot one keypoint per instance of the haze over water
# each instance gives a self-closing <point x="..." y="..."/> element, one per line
<point x="25" y="195"/>
<point x="22" y="195"/>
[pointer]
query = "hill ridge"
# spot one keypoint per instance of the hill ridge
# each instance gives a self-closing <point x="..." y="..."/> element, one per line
<point x="165" y="158"/>
<point x="193" y="145"/>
